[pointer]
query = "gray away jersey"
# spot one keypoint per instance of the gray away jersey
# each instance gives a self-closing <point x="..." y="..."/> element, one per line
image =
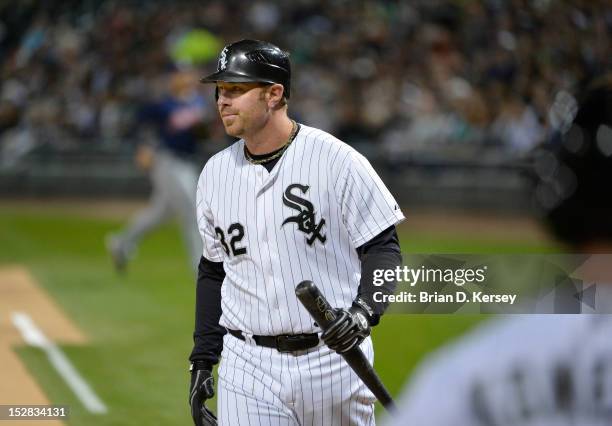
<point x="301" y="221"/>
<point x="521" y="370"/>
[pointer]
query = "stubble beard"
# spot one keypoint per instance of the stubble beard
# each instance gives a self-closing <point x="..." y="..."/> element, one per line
<point x="232" y="127"/>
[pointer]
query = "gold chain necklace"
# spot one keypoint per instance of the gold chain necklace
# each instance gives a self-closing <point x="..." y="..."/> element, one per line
<point x="282" y="150"/>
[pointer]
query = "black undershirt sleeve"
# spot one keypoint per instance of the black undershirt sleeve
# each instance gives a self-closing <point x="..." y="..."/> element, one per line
<point x="208" y="334"/>
<point x="381" y="252"/>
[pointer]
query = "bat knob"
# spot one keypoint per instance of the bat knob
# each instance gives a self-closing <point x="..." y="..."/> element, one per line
<point x="304" y="287"/>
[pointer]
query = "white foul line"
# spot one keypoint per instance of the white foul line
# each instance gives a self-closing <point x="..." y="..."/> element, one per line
<point x="35" y="337"/>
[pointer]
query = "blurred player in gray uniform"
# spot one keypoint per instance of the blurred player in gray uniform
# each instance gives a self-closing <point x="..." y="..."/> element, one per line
<point x="174" y="176"/>
<point x="540" y="370"/>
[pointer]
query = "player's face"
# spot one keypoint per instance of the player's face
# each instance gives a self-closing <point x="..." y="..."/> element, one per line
<point x="242" y="107"/>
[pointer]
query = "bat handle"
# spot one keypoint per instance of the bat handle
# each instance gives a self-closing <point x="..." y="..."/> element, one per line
<point x="315" y="303"/>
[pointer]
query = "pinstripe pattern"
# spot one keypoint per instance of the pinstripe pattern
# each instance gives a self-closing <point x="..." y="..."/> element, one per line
<point x="351" y="205"/>
<point x="261" y="386"/>
<point x="258" y="292"/>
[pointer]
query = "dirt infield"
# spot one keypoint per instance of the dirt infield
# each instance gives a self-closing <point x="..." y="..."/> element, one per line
<point x="19" y="293"/>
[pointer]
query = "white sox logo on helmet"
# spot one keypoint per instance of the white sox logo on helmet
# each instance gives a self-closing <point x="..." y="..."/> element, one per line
<point x="222" y="60"/>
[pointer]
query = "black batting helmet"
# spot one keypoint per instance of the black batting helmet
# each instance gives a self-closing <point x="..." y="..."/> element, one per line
<point x="253" y="61"/>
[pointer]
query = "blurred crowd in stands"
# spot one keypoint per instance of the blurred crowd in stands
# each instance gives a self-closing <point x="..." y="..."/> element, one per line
<point x="390" y="74"/>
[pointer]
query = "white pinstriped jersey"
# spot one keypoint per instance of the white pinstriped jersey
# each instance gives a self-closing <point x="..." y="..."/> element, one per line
<point x="303" y="220"/>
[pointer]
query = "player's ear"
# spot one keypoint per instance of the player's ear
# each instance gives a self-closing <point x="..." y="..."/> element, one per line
<point x="275" y="95"/>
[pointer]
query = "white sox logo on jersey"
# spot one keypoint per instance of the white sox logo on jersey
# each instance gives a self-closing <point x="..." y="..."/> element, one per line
<point x="222" y="60"/>
<point x="305" y="218"/>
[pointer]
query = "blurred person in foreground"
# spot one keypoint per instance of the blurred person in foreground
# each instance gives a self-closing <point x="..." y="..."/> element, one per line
<point x="552" y="370"/>
<point x="177" y="119"/>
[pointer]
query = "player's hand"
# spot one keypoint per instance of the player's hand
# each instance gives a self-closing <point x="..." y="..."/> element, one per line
<point x="202" y="388"/>
<point x="347" y="331"/>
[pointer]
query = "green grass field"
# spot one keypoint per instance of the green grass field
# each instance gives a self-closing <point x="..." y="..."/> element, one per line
<point x="140" y="325"/>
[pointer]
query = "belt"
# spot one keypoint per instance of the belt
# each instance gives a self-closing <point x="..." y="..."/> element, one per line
<point x="283" y="342"/>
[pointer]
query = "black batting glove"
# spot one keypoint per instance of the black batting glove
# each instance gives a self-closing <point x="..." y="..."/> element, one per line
<point x="348" y="330"/>
<point x="202" y="388"/>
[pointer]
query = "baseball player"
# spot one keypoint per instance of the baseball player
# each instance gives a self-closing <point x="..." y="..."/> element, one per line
<point x="285" y="203"/>
<point x="540" y="370"/>
<point x="173" y="175"/>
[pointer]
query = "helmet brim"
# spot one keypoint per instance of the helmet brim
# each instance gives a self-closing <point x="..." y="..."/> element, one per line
<point x="232" y="77"/>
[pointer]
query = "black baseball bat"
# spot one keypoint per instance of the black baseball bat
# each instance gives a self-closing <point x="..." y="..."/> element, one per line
<point x="322" y="312"/>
